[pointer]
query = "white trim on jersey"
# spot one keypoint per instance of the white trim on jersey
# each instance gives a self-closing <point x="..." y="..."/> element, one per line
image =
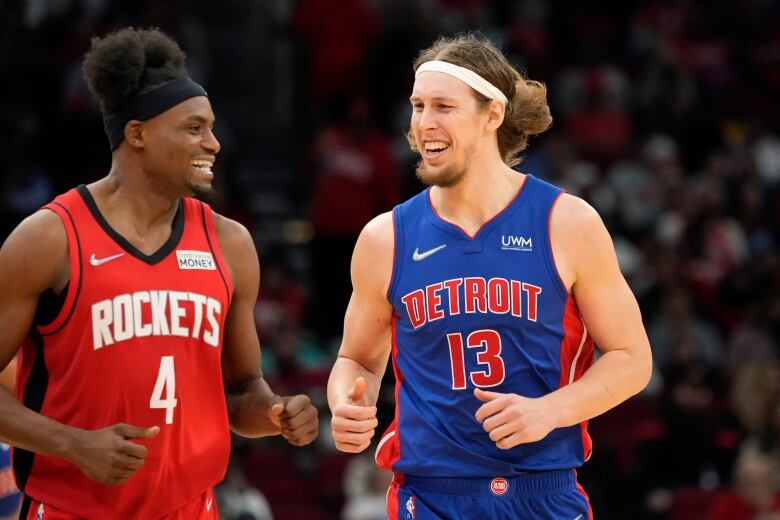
<point x="386" y="438"/>
<point x="579" y="351"/>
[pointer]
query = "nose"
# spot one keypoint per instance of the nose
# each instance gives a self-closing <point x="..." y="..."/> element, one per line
<point x="210" y="143"/>
<point x="426" y="119"/>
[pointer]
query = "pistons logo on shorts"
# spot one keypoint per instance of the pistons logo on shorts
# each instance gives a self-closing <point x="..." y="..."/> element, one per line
<point x="499" y="486"/>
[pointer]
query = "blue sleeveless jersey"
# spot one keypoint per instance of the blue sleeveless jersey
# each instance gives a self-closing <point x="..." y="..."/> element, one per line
<point x="488" y="311"/>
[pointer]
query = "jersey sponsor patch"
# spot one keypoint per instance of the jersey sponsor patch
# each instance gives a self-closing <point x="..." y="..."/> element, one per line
<point x="516" y="243"/>
<point x="499" y="486"/>
<point x="195" y="260"/>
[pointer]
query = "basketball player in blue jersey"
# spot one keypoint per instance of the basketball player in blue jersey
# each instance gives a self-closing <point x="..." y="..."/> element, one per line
<point x="490" y="289"/>
<point x="10" y="498"/>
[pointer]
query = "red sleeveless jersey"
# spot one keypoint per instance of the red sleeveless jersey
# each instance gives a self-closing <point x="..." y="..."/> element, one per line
<point x="138" y="340"/>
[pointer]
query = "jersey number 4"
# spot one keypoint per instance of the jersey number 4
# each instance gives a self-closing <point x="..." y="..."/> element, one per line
<point x="166" y="384"/>
<point x="489" y="357"/>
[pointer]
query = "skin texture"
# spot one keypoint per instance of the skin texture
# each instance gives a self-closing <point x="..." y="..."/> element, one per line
<point x="151" y="170"/>
<point x="471" y="184"/>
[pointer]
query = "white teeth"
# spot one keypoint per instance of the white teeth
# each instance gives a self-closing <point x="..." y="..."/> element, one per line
<point x="435" y="145"/>
<point x="203" y="165"/>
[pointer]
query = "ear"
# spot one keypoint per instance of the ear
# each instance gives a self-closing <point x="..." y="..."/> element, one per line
<point x="495" y="113"/>
<point x="134" y="133"/>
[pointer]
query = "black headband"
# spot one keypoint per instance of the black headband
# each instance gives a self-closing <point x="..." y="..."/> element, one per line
<point x="148" y="105"/>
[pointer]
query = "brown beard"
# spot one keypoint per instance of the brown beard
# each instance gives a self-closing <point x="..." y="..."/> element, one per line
<point x="445" y="179"/>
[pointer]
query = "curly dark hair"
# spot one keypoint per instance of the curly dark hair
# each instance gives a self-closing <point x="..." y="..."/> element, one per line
<point x="129" y="62"/>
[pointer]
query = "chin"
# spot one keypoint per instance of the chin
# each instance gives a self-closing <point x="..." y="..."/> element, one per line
<point x="446" y="177"/>
<point x="201" y="190"/>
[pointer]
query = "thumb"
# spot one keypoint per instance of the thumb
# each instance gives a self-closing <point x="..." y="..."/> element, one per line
<point x="275" y="410"/>
<point x="136" y="432"/>
<point x="357" y="390"/>
<point x="485" y="396"/>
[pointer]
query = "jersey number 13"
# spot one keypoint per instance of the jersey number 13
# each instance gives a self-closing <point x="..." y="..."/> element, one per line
<point x="489" y="357"/>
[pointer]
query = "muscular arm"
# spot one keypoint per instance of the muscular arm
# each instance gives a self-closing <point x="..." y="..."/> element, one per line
<point x="249" y="398"/>
<point x="588" y="266"/>
<point x="365" y="346"/>
<point x="610" y="313"/>
<point x="8" y="376"/>
<point x="34" y="258"/>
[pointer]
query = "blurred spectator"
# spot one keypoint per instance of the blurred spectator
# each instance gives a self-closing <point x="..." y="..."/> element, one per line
<point x="281" y="298"/>
<point x="365" y="486"/>
<point x="678" y="336"/>
<point x="238" y="500"/>
<point x="753" y="495"/>
<point x="356" y="178"/>
<point x="755" y="394"/>
<point x="338" y="35"/>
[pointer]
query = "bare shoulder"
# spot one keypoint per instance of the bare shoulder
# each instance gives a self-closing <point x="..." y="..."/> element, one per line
<point x="238" y="251"/>
<point x="372" y="261"/>
<point x="234" y="238"/>
<point x="577" y="235"/>
<point x="574" y="215"/>
<point x="43" y="226"/>
<point x="36" y="252"/>
<point x="377" y="235"/>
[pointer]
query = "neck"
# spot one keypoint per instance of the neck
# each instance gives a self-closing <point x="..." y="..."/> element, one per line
<point x="129" y="195"/>
<point x="485" y="190"/>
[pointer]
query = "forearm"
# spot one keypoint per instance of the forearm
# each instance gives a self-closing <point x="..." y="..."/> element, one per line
<point x="342" y="378"/>
<point x="28" y="430"/>
<point x="248" y="409"/>
<point x="613" y="378"/>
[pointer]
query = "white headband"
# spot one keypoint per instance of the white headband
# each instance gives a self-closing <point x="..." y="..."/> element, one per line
<point x="469" y="77"/>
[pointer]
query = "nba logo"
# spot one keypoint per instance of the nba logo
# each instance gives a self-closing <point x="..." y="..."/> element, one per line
<point x="39" y="516"/>
<point x="410" y="508"/>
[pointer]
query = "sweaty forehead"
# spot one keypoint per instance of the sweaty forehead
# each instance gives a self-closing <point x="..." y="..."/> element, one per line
<point x="432" y="84"/>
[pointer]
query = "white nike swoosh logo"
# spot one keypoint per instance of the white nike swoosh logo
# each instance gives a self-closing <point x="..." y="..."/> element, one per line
<point x="417" y="255"/>
<point x="208" y="504"/>
<point x="100" y="261"/>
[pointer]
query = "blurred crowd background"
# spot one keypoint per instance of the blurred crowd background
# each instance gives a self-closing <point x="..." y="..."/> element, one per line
<point x="666" y="119"/>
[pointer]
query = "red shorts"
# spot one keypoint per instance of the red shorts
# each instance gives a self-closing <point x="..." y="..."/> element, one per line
<point x="202" y="508"/>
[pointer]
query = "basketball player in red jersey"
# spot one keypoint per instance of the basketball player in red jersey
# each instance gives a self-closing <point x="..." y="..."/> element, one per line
<point x="133" y="305"/>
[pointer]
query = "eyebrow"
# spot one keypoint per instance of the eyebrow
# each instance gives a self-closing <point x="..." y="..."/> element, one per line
<point x="199" y="119"/>
<point x="414" y="98"/>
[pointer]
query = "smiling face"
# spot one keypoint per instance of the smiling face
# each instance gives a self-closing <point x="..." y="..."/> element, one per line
<point x="180" y="148"/>
<point x="447" y="127"/>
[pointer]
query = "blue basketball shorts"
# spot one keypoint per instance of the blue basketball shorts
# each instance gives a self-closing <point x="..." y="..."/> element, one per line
<point x="544" y="495"/>
<point x="9" y="495"/>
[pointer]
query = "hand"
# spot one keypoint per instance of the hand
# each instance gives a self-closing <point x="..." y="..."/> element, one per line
<point x="354" y="421"/>
<point x="107" y="455"/>
<point x="511" y="419"/>
<point x="296" y="418"/>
